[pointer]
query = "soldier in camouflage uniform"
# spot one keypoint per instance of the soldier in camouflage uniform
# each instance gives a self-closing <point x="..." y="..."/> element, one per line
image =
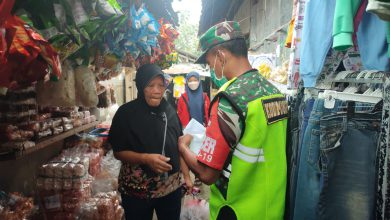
<point x="243" y="154"/>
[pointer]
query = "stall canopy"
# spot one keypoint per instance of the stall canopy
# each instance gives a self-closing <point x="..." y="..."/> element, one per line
<point x="184" y="68"/>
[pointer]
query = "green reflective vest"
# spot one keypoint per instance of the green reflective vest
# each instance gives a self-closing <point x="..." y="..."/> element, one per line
<point x="257" y="182"/>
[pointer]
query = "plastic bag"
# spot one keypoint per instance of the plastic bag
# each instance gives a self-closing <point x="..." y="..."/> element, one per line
<point x="108" y="8"/>
<point x="198" y="132"/>
<point x="85" y="87"/>
<point x="194" y="209"/>
<point x="61" y="93"/>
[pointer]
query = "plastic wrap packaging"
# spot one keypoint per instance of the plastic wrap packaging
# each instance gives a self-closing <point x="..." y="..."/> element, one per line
<point x="87" y="114"/>
<point x="107" y="179"/>
<point x="77" y="122"/>
<point x="102" y="206"/>
<point x="14" y="206"/>
<point x="33" y="126"/>
<point x="61" y="93"/>
<point x="43" y="134"/>
<point x="56" y="122"/>
<point x="17" y="135"/>
<point x="43" y="117"/>
<point x="78" y="12"/>
<point x="66" y="120"/>
<point x="85" y="87"/>
<point x="194" y="208"/>
<point x="45" y="125"/>
<point x="17" y="146"/>
<point x="68" y="127"/>
<point x="57" y="130"/>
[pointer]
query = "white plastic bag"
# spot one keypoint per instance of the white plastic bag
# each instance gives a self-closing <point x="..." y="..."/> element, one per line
<point x="198" y="131"/>
<point x="61" y="93"/>
<point x="194" y="209"/>
<point x="86" y="93"/>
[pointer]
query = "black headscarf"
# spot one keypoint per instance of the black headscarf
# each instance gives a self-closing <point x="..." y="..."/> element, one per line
<point x="139" y="127"/>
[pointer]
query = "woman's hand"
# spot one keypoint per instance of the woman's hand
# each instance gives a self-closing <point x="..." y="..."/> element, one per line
<point x="188" y="184"/>
<point x="158" y="163"/>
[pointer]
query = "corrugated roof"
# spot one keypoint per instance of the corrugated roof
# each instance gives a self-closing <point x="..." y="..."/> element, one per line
<point x="215" y="11"/>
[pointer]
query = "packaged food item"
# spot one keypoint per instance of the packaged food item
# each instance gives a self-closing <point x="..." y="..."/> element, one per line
<point x="58" y="130"/>
<point x="56" y="122"/>
<point x="18" y="146"/>
<point x="60" y="93"/>
<point x="43" y="117"/>
<point x="68" y="127"/>
<point x="77" y="122"/>
<point x="66" y="120"/>
<point x="43" y="134"/>
<point x="68" y="170"/>
<point x="79" y="170"/>
<point x="14" y="206"/>
<point x="45" y="125"/>
<point x="85" y="87"/>
<point x="30" y="126"/>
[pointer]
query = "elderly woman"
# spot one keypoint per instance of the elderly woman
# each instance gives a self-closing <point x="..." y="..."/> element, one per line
<point x="144" y="136"/>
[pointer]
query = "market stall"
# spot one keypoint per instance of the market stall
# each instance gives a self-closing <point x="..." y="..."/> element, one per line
<point x="62" y="63"/>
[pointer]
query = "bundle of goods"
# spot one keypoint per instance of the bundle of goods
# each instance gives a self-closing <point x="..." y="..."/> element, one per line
<point x="15" y="107"/>
<point x="63" y="184"/>
<point x="26" y="55"/>
<point x="18" y="105"/>
<point x="107" y="179"/>
<point x="76" y="88"/>
<point x="168" y="34"/>
<point x="279" y="74"/>
<point x="102" y="206"/>
<point x="94" y="155"/>
<point x="14" y="206"/>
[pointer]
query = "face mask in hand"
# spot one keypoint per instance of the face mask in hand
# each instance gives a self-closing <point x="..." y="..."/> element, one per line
<point x="218" y="82"/>
<point x="193" y="85"/>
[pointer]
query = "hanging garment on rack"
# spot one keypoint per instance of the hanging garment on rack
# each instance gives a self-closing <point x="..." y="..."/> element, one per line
<point x="305" y="109"/>
<point x="308" y="180"/>
<point x="293" y="66"/>
<point x="291" y="145"/>
<point x="343" y="23"/>
<point x="316" y="39"/>
<point x="380" y="8"/>
<point x="348" y="153"/>
<point x="383" y="160"/>
<point x="372" y="41"/>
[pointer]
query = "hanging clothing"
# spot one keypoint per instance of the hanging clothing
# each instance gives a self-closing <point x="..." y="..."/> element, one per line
<point x="316" y="39"/>
<point x="343" y="25"/>
<point x="372" y="42"/>
<point x="380" y="8"/>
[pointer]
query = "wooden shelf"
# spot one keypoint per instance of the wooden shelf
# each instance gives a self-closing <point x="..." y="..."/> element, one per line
<point x="47" y="141"/>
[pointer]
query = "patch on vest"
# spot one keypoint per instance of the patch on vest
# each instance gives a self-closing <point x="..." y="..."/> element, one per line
<point x="275" y="109"/>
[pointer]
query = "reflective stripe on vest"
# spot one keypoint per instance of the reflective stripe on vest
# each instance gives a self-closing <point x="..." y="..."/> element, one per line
<point x="250" y="155"/>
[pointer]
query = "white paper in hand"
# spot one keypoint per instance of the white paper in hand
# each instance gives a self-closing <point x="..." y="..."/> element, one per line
<point x="198" y="131"/>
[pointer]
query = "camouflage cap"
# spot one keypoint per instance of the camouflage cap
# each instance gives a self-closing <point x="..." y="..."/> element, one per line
<point x="217" y="34"/>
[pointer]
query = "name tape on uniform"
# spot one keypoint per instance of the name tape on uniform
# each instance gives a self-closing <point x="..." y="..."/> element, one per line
<point x="275" y="109"/>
